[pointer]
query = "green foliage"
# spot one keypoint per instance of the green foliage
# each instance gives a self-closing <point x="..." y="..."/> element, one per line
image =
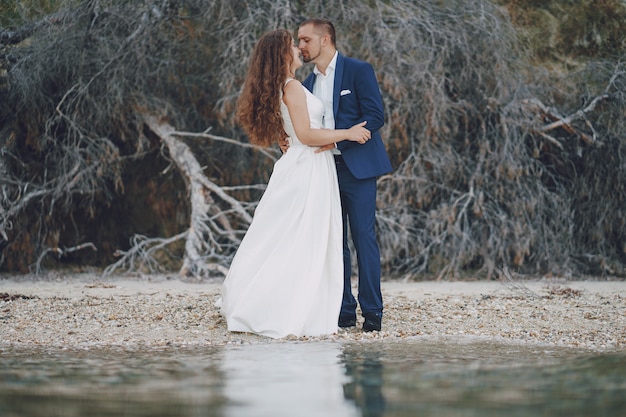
<point x="566" y="33"/>
<point x="594" y="29"/>
<point x="14" y="13"/>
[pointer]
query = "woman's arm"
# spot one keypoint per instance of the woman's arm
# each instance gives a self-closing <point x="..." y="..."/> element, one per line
<point x="295" y="99"/>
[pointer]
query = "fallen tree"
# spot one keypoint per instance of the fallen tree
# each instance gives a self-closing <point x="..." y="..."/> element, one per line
<point x="209" y="222"/>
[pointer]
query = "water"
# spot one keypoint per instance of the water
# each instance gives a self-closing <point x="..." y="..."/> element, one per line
<point x="418" y="377"/>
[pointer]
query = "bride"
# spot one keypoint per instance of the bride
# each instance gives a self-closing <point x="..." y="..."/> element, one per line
<point x="287" y="275"/>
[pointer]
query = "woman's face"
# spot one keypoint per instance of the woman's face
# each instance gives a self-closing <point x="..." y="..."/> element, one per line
<point x="296" y="61"/>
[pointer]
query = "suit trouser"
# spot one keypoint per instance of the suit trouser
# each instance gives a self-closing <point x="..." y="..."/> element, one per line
<point x="358" y="204"/>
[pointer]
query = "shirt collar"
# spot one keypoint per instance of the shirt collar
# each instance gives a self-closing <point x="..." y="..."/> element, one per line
<point x="331" y="65"/>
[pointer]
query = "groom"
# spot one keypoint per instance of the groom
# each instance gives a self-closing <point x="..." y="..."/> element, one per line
<point x="349" y="90"/>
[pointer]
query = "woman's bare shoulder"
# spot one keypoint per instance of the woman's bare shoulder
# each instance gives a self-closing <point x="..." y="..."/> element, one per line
<point x="293" y="89"/>
<point x="292" y="83"/>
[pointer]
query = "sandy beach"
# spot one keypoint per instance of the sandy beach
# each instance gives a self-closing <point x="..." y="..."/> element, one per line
<point x="84" y="311"/>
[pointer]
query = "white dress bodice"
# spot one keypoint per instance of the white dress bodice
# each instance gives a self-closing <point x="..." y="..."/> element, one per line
<point x="316" y="113"/>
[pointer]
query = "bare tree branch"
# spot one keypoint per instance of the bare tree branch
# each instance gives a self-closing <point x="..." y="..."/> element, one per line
<point x="566" y="122"/>
<point x="206" y="135"/>
<point x="60" y="253"/>
<point x="140" y="256"/>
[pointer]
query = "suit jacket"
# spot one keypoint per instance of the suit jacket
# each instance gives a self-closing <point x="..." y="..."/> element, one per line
<point x="356" y="98"/>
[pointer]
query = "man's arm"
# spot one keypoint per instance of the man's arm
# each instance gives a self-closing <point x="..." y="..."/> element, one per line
<point x="368" y="102"/>
<point x="370" y="99"/>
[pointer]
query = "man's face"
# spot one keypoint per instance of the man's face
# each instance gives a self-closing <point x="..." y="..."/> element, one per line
<point x="310" y="43"/>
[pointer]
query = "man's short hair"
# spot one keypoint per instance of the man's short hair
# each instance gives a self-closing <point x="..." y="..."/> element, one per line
<point x="325" y="25"/>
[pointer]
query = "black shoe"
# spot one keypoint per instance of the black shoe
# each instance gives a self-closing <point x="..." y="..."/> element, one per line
<point x="373" y="322"/>
<point x="347" y="322"/>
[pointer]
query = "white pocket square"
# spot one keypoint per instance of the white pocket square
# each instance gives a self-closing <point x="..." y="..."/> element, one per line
<point x="345" y="92"/>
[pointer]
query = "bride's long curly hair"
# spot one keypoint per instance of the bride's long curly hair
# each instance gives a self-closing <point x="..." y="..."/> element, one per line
<point x="258" y="107"/>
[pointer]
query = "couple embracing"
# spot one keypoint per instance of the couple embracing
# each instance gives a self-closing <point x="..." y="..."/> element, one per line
<point x="292" y="272"/>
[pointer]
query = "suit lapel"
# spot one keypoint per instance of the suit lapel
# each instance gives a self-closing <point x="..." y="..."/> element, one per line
<point x="337" y="83"/>
<point x="309" y="82"/>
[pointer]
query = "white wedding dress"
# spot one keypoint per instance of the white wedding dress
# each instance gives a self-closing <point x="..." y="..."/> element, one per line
<point x="287" y="275"/>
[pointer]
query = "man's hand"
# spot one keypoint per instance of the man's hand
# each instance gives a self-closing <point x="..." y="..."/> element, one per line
<point x="325" y="148"/>
<point x="283" y="144"/>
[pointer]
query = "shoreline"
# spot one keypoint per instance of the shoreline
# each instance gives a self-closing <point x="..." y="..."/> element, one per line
<point x="83" y="310"/>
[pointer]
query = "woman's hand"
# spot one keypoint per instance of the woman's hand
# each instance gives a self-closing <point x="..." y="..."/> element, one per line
<point x="325" y="148"/>
<point x="283" y="144"/>
<point x="358" y="133"/>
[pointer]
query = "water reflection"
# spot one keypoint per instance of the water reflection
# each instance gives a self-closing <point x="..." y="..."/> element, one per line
<point x="299" y="379"/>
<point x="364" y="367"/>
<point x="419" y="377"/>
<point x="109" y="382"/>
<point x="450" y="377"/>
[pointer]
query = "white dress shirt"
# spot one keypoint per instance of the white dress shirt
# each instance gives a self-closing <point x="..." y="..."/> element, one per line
<point x="323" y="89"/>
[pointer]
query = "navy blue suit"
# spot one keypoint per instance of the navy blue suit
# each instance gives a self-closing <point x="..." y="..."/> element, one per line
<point x="356" y="98"/>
